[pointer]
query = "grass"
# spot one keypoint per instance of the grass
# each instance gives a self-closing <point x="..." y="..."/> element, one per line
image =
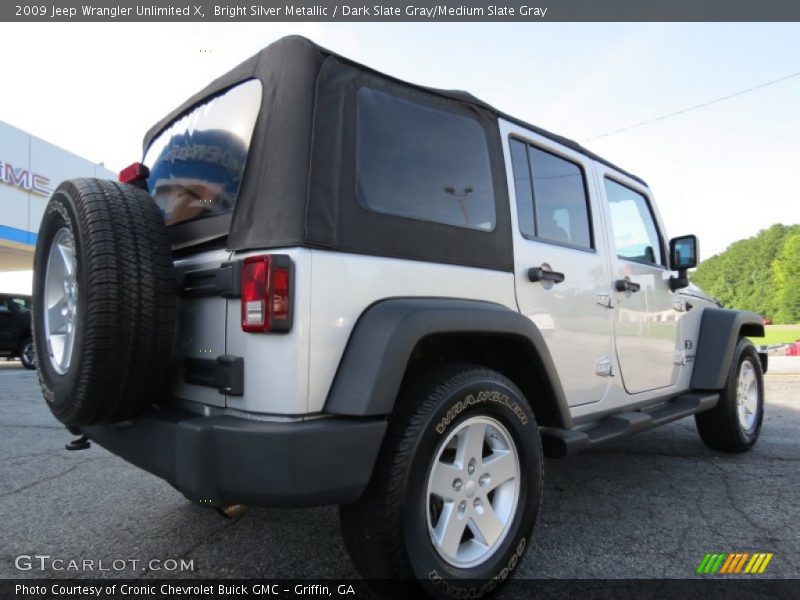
<point x="778" y="334"/>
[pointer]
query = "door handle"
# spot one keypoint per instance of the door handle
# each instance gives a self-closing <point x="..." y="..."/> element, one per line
<point x="540" y="274"/>
<point x="626" y="285"/>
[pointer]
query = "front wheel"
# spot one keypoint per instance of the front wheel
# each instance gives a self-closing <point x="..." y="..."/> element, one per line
<point x="455" y="492"/>
<point x="734" y="424"/>
<point x="27" y="354"/>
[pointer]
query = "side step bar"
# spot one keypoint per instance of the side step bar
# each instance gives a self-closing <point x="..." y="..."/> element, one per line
<point x="559" y="443"/>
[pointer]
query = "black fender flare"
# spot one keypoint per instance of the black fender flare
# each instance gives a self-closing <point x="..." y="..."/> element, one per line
<point x="380" y="346"/>
<point x="720" y="330"/>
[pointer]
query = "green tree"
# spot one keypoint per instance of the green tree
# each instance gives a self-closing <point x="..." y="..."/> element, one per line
<point x="786" y="269"/>
<point x="745" y="276"/>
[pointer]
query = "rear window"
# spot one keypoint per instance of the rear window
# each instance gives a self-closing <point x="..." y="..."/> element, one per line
<point x="419" y="162"/>
<point x="197" y="163"/>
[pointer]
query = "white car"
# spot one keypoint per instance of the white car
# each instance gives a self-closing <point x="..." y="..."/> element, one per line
<point x="323" y="285"/>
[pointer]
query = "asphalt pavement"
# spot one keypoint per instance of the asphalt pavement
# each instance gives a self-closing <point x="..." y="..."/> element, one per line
<point x="650" y="506"/>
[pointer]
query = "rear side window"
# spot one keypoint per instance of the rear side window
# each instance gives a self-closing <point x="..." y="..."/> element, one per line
<point x="420" y="162"/>
<point x="197" y="163"/>
<point x="552" y="205"/>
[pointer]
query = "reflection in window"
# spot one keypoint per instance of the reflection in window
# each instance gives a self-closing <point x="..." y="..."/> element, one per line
<point x="551" y="197"/>
<point x="635" y="233"/>
<point x="197" y="163"/>
<point x="422" y="163"/>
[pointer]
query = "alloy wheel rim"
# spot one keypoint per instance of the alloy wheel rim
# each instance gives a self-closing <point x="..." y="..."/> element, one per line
<point x="473" y="491"/>
<point x="29" y="353"/>
<point x="61" y="300"/>
<point x="747" y="396"/>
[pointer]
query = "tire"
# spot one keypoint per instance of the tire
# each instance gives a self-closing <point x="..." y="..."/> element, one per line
<point x="388" y="530"/>
<point x="722" y="427"/>
<point x="119" y="302"/>
<point x="27" y="354"/>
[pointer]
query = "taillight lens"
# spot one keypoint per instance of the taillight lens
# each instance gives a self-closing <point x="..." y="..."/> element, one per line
<point x="266" y="293"/>
<point x="135" y="174"/>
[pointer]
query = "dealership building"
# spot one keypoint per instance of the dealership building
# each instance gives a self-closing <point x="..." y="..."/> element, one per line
<point x="30" y="169"/>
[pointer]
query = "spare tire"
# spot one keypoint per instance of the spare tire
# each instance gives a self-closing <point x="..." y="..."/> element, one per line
<point x="103" y="302"/>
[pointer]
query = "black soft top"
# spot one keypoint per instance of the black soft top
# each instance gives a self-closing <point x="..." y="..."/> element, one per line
<point x="295" y="181"/>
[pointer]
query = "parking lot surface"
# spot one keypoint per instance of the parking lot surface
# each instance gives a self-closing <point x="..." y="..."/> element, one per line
<point x="650" y="506"/>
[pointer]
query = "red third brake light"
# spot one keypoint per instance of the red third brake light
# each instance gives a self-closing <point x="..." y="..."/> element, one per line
<point x="266" y="293"/>
<point x="135" y="174"/>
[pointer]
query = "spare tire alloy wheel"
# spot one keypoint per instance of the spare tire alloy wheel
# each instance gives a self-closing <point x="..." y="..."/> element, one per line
<point x="61" y="301"/>
<point x="103" y="302"/>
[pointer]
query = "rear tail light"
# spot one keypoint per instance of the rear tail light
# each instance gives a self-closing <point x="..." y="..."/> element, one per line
<point x="267" y="293"/>
<point x="135" y="174"/>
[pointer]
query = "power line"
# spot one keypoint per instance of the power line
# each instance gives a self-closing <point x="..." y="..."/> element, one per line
<point x="685" y="110"/>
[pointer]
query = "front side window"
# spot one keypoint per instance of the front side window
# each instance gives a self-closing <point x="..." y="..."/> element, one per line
<point x="635" y="233"/>
<point x="197" y="163"/>
<point x="423" y="163"/>
<point x="551" y="197"/>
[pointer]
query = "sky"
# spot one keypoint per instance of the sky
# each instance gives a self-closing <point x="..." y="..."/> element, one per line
<point x="722" y="172"/>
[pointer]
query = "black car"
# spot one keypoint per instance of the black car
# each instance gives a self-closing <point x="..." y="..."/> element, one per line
<point x="15" y="329"/>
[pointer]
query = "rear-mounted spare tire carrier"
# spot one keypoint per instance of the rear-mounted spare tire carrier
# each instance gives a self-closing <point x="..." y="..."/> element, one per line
<point x="113" y="297"/>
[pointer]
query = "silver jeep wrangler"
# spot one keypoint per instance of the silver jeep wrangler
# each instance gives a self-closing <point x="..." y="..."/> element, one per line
<point x="323" y="285"/>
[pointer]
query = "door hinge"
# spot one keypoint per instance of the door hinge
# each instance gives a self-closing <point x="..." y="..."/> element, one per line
<point x="603" y="299"/>
<point x="225" y="281"/>
<point x="679" y="357"/>
<point x="605" y="367"/>
<point x="681" y="304"/>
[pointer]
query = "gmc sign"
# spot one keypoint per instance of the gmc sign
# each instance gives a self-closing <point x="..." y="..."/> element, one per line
<point x="24" y="179"/>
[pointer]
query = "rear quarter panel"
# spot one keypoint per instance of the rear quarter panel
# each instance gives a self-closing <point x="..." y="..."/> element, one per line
<point x="343" y="285"/>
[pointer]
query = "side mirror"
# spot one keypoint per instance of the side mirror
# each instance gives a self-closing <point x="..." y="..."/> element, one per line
<point x="683" y="252"/>
<point x="682" y="257"/>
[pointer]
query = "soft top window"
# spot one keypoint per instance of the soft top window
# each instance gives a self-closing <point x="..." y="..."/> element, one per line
<point x="197" y="163"/>
<point x="420" y="162"/>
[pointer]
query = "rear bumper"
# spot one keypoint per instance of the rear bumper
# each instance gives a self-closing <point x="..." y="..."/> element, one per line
<point x="223" y="460"/>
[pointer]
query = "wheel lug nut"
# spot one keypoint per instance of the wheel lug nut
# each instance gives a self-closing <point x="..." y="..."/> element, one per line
<point x="458" y="484"/>
<point x="484" y="479"/>
<point x="462" y="506"/>
<point x="471" y="466"/>
<point x="478" y="503"/>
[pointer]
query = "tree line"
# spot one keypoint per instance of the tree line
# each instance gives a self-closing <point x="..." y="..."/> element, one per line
<point x="761" y="273"/>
